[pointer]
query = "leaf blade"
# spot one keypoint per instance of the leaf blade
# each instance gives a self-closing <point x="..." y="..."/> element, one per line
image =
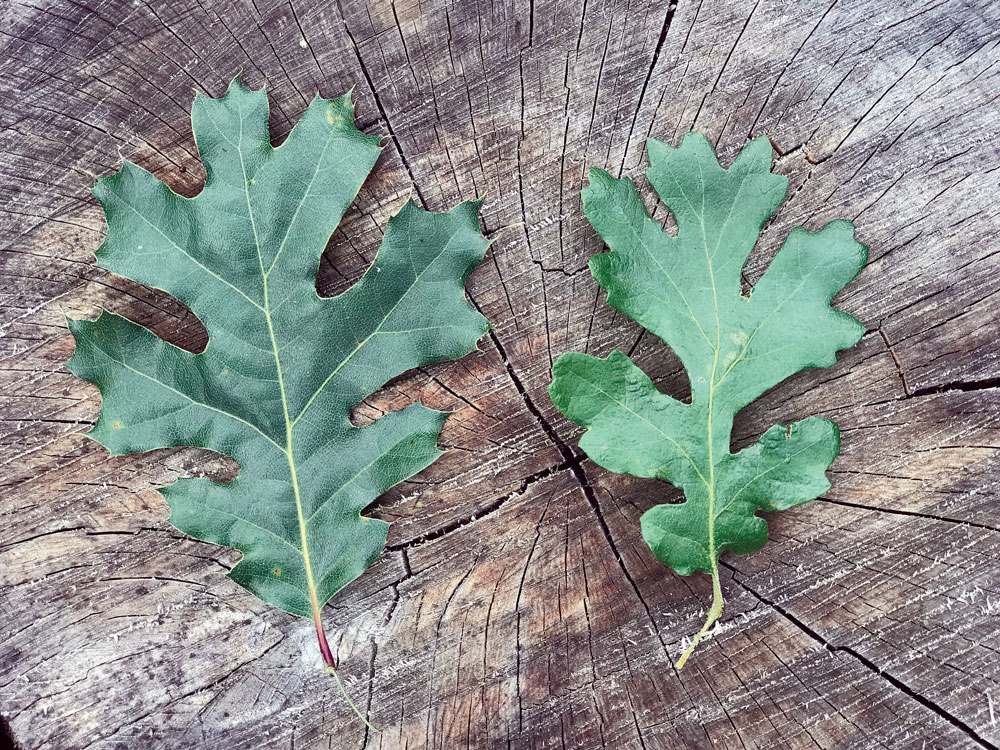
<point x="283" y="368"/>
<point x="687" y="290"/>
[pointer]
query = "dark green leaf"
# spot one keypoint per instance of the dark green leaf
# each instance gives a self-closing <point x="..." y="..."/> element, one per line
<point x="283" y="368"/>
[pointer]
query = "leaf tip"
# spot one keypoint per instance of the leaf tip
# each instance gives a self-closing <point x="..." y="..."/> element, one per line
<point x="655" y="145"/>
<point x="599" y="181"/>
<point x="598" y="174"/>
<point x="694" y="148"/>
<point x="237" y="81"/>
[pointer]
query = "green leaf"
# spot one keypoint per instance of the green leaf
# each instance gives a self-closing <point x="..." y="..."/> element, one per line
<point x="687" y="290"/>
<point x="283" y="368"/>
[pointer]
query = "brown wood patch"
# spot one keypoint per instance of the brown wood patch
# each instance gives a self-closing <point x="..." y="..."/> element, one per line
<point x="517" y="605"/>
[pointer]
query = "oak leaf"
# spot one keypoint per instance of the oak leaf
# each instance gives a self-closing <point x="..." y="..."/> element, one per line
<point x="283" y="368"/>
<point x="686" y="289"/>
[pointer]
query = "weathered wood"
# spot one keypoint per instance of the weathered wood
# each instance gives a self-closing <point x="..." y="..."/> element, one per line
<point x="517" y="605"/>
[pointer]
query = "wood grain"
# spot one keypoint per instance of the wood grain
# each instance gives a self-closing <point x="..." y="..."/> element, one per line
<point x="517" y="605"/>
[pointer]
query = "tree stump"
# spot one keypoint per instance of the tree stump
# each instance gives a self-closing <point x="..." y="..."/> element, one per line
<point x="517" y="605"/>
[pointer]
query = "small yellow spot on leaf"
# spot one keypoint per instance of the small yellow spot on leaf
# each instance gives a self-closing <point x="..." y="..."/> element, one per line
<point x="116" y="425"/>
<point x="332" y="116"/>
<point x="277" y="571"/>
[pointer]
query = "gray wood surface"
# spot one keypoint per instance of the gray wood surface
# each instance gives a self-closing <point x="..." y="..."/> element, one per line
<point x="517" y="605"/>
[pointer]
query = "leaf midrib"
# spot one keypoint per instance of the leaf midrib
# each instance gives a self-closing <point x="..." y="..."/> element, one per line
<point x="713" y="557"/>
<point x="713" y="385"/>
<point x="290" y="423"/>
<point x="289" y="448"/>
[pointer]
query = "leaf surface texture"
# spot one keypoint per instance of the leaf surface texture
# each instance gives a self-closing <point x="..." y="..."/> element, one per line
<point x="275" y="386"/>
<point x="686" y="289"/>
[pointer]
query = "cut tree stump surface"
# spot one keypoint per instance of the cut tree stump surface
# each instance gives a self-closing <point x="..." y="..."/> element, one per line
<point x="516" y="605"/>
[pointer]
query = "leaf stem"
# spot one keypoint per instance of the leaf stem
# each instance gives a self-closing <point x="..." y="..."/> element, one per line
<point x="324" y="646"/>
<point x="713" y="614"/>
<point x="330" y="666"/>
<point x="330" y="670"/>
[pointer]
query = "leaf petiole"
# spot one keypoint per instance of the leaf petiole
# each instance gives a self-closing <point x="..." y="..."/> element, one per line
<point x="329" y="668"/>
<point x="713" y="614"/>
<point x="324" y="646"/>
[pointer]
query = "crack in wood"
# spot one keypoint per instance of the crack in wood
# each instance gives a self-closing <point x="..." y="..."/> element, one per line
<point x="911" y="514"/>
<point x="486" y="510"/>
<point x="414" y="183"/>
<point x="864" y="661"/>
<point x="965" y="386"/>
<point x="897" y="363"/>
<point x="575" y="465"/>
